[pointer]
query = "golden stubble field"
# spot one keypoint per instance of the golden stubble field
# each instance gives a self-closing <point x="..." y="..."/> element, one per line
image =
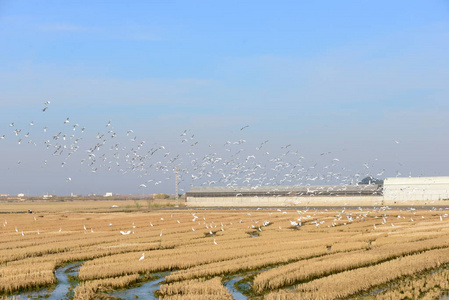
<point x="281" y="254"/>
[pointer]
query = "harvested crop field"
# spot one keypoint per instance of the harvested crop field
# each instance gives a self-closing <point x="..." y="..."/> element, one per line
<point x="378" y="253"/>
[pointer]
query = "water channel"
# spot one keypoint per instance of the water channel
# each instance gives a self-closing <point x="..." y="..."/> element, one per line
<point x="66" y="282"/>
<point x="230" y="285"/>
<point x="144" y="291"/>
<point x="64" y="287"/>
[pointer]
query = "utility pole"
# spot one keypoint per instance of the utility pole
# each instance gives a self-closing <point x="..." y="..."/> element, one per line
<point x="176" y="187"/>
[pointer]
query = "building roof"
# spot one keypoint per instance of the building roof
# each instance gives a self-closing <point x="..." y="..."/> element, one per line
<point x="417" y="180"/>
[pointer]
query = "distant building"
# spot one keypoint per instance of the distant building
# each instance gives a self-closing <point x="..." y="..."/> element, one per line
<point x="331" y="195"/>
<point x="21" y="195"/>
<point x="108" y="195"/>
<point x="4" y="195"/>
<point x="416" y="189"/>
<point x="47" y="196"/>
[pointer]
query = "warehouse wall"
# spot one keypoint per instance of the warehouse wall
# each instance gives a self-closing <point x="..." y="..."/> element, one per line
<point x="416" y="189"/>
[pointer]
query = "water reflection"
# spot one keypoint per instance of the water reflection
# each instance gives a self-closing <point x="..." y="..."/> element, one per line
<point x="236" y="294"/>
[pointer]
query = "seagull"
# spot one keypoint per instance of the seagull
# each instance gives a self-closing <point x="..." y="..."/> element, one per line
<point x="125" y="232"/>
<point x="66" y="121"/>
<point x="244" y="127"/>
<point x="142" y="257"/>
<point x="215" y="242"/>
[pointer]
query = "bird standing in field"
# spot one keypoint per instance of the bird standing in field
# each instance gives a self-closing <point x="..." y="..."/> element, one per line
<point x="142" y="257"/>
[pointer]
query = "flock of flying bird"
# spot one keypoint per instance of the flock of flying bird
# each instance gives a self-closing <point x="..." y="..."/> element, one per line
<point x="232" y="163"/>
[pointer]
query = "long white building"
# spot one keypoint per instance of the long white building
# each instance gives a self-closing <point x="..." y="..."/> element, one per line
<point x="416" y="189"/>
<point x="325" y="195"/>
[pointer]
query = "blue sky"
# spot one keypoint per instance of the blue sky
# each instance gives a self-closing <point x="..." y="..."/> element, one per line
<point x="346" y="77"/>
